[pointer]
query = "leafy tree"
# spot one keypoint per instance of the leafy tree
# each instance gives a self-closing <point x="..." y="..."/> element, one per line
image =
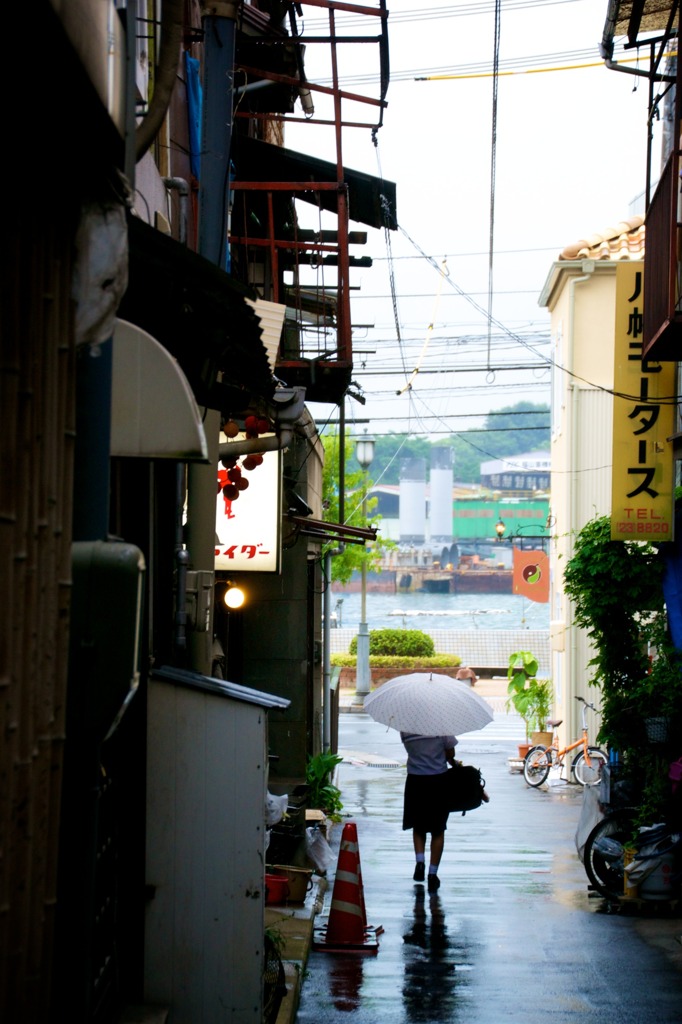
<point x="617" y="593"/>
<point x="353" y="555"/>
<point x="507" y="439"/>
<point x="389" y="452"/>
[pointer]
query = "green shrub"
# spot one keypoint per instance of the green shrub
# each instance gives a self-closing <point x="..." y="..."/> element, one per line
<point x="323" y="794"/>
<point x="396" y="661"/>
<point x="411" y="643"/>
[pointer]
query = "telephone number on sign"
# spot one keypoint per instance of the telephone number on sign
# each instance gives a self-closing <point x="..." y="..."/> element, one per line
<point x="643" y="527"/>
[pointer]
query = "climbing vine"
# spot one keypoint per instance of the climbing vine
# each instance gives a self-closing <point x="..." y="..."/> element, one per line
<point x="617" y="591"/>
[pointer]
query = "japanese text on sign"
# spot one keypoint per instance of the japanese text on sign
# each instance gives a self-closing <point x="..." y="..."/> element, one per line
<point x="248" y="530"/>
<point x="643" y="416"/>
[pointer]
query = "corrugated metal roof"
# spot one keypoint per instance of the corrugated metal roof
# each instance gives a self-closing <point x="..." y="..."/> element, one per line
<point x="654" y="16"/>
<point x="219" y="687"/>
<point x="634" y="18"/>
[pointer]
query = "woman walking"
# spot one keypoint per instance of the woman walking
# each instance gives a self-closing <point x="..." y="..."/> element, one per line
<point x="424" y="810"/>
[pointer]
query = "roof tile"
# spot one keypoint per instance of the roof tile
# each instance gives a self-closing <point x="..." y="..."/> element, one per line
<point x="624" y="241"/>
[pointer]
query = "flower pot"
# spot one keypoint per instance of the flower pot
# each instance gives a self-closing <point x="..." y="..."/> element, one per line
<point x="299" y="880"/>
<point x="543" y="739"/>
<point x="523" y="749"/>
<point x="276" y="889"/>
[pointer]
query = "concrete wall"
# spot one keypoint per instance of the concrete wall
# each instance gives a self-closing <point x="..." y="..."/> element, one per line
<point x="485" y="649"/>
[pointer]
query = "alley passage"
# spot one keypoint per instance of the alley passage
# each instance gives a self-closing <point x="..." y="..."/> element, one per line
<point x="511" y="936"/>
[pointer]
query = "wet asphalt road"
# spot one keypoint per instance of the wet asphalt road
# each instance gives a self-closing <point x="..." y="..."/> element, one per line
<point x="511" y="936"/>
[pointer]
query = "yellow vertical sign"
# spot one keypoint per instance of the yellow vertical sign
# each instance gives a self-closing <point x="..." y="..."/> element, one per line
<point x="643" y="417"/>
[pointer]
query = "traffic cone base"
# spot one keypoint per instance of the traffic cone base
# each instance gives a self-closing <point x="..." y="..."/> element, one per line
<point x="347" y="929"/>
<point x="368" y="945"/>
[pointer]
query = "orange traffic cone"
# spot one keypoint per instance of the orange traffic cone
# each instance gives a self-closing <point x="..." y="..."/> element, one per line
<point x="347" y="930"/>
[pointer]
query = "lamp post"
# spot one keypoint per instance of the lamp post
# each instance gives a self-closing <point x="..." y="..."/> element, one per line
<point x="364" y="453"/>
<point x="499" y="529"/>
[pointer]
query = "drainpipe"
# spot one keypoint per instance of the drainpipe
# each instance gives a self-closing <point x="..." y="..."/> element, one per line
<point x="182" y="188"/>
<point x="326" y="656"/>
<point x="166" y="73"/>
<point x="588" y="266"/>
<point x="219" y="23"/>
<point x="181" y="563"/>
<point x="220" y="30"/>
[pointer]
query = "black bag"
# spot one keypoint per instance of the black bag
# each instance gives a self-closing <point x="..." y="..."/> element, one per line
<point x="463" y="786"/>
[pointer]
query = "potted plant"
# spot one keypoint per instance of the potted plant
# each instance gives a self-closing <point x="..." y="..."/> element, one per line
<point x="323" y="794"/>
<point x="540" y="705"/>
<point x="530" y="697"/>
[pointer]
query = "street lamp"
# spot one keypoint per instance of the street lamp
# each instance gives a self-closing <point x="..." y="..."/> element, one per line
<point x="499" y="529"/>
<point x="364" y="453"/>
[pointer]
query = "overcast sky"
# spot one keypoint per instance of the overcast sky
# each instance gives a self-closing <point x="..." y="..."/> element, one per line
<point x="570" y="161"/>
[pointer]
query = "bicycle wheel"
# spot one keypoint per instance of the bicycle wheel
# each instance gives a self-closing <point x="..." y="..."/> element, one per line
<point x="590" y="774"/>
<point x="603" y="852"/>
<point x="536" y="765"/>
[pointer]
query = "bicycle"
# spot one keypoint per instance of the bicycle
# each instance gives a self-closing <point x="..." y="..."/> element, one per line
<point x="587" y="765"/>
<point x="603" y="853"/>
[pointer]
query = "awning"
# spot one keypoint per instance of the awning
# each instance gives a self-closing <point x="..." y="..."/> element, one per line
<point x="153" y="411"/>
<point x="337" y="532"/>
<point x="371" y="200"/>
<point x="199" y="314"/>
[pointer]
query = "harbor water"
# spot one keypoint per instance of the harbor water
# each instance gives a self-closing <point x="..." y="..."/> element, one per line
<point x="419" y="610"/>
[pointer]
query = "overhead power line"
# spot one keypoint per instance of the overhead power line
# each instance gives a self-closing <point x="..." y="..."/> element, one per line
<point x="434" y="13"/>
<point x="566" y="60"/>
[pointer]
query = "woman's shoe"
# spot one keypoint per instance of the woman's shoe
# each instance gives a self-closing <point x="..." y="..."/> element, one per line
<point x="433" y="883"/>
<point x="419" y="871"/>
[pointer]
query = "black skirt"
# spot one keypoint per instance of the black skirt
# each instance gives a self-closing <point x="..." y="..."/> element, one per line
<point x="424" y="804"/>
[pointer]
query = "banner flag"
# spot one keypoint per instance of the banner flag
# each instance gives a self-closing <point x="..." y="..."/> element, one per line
<point x="530" y="575"/>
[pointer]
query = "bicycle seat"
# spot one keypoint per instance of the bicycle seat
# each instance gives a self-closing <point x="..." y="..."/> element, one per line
<point x="554" y="723"/>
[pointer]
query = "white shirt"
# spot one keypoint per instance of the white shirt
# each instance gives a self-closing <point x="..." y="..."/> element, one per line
<point x="426" y="754"/>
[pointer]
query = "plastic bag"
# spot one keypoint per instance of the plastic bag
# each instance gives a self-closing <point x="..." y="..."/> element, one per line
<point x="275" y="808"/>
<point x="655" y="850"/>
<point x="590" y="815"/>
<point x="318" y="849"/>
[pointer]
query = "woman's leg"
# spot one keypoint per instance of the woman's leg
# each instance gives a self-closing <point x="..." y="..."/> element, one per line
<point x="419" y="840"/>
<point x="436" y="852"/>
<point x="436" y="849"/>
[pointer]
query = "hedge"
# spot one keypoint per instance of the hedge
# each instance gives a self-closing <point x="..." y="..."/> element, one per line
<point x="397" y="661"/>
<point x="410" y="643"/>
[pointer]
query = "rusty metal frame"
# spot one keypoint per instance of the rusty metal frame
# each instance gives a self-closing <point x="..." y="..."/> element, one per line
<point x="335" y="362"/>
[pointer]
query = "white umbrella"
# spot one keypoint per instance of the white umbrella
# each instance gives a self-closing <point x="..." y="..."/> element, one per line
<point x="428" y="704"/>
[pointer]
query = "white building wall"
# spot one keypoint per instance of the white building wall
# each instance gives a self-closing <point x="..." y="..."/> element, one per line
<point x="581" y="298"/>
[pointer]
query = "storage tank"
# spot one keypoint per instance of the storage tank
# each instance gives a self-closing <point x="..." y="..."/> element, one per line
<point x="441" y="496"/>
<point x="412" y="515"/>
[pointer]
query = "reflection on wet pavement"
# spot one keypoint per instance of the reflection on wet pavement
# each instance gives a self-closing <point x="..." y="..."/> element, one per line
<point x="429" y="984"/>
